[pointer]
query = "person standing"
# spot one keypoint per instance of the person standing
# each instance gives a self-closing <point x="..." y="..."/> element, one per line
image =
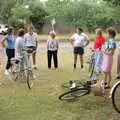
<point x="97" y="48"/>
<point x="9" y="42"/>
<point x="52" y="50"/>
<point x="118" y="62"/>
<point x="31" y="41"/>
<point x="109" y="50"/>
<point x="79" y="41"/>
<point x="19" y="46"/>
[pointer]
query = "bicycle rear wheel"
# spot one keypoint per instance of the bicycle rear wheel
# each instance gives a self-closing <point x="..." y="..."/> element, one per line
<point x="116" y="97"/>
<point x="30" y="79"/>
<point x="78" y="92"/>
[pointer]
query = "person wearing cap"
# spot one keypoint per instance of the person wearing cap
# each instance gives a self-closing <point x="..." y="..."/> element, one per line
<point x="52" y="50"/>
<point x="9" y="40"/>
<point x="79" y="40"/>
<point x="31" y="40"/>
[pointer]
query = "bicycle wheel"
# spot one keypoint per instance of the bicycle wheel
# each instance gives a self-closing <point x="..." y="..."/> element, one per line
<point x="116" y="97"/>
<point x="91" y="68"/>
<point x="14" y="73"/>
<point x="29" y="79"/>
<point x="74" y="94"/>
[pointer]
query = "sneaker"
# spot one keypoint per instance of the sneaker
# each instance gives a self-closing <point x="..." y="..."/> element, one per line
<point x="117" y="78"/>
<point x="6" y="72"/>
<point x="34" y="67"/>
<point x="81" y="66"/>
<point x="73" y="85"/>
<point x="34" y="76"/>
<point x="74" y="66"/>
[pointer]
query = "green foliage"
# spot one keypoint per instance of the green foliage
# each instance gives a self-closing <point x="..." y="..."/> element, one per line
<point x="114" y="2"/>
<point x="84" y="13"/>
<point x="38" y="15"/>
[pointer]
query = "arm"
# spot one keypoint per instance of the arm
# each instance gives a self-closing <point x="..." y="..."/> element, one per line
<point x="37" y="40"/>
<point x="57" y="44"/>
<point x="17" y="48"/>
<point x="47" y="44"/>
<point x="86" y="41"/>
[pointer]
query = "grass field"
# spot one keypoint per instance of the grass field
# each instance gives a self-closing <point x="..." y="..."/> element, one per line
<point x="41" y="103"/>
<point x="66" y="37"/>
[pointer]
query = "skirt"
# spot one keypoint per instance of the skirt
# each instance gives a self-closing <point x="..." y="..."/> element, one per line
<point x="107" y="63"/>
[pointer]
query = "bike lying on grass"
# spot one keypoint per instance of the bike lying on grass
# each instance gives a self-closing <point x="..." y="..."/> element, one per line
<point x="76" y="89"/>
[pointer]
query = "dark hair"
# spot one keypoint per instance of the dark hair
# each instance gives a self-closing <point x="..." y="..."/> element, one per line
<point x="21" y="32"/>
<point x="10" y="29"/>
<point x="31" y="27"/>
<point x="111" y="32"/>
<point x="80" y="29"/>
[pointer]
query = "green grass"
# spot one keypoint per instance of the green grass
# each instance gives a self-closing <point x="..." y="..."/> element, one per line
<point x="41" y="103"/>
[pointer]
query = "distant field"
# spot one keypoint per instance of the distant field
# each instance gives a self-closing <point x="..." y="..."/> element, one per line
<point x="65" y="37"/>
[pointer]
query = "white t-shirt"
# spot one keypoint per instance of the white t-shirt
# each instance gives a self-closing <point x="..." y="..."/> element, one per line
<point x="52" y="44"/>
<point x="30" y="40"/>
<point x="78" y="40"/>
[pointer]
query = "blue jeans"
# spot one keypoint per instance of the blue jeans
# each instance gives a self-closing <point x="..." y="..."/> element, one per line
<point x="98" y="61"/>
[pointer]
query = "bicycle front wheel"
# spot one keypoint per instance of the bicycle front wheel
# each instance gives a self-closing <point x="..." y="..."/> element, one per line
<point x="116" y="97"/>
<point x="91" y="68"/>
<point x="30" y="79"/>
<point x="74" y="94"/>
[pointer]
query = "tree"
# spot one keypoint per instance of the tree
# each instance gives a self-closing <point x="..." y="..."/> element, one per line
<point x="114" y="2"/>
<point x="38" y="14"/>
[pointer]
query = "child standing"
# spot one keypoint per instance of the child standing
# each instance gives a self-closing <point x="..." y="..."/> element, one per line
<point x="52" y="49"/>
<point x="99" y="42"/>
<point x="110" y="47"/>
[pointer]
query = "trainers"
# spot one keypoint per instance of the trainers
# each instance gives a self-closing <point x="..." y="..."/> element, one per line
<point x="81" y="66"/>
<point x="34" y="67"/>
<point x="6" y="72"/>
<point x="34" y="76"/>
<point x="73" y="85"/>
<point x="74" y="66"/>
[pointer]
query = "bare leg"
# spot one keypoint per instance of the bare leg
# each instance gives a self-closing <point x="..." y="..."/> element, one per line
<point x="109" y="80"/>
<point x="81" y="60"/>
<point x="75" y="60"/>
<point x="34" y="58"/>
<point x="105" y="77"/>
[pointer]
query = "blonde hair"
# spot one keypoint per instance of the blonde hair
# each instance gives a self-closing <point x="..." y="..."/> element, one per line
<point x="98" y="31"/>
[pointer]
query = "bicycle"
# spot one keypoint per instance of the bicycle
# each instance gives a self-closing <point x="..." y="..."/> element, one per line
<point x="115" y="96"/>
<point x="25" y="74"/>
<point x="91" y="66"/>
<point x="76" y="90"/>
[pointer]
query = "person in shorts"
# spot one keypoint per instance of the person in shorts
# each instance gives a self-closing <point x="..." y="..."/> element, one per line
<point x="31" y="41"/>
<point x="79" y="41"/>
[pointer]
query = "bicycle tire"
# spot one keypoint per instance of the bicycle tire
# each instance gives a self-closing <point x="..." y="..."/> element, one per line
<point x="29" y="79"/>
<point x="70" y="95"/>
<point x="91" y="68"/>
<point x="114" y="99"/>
